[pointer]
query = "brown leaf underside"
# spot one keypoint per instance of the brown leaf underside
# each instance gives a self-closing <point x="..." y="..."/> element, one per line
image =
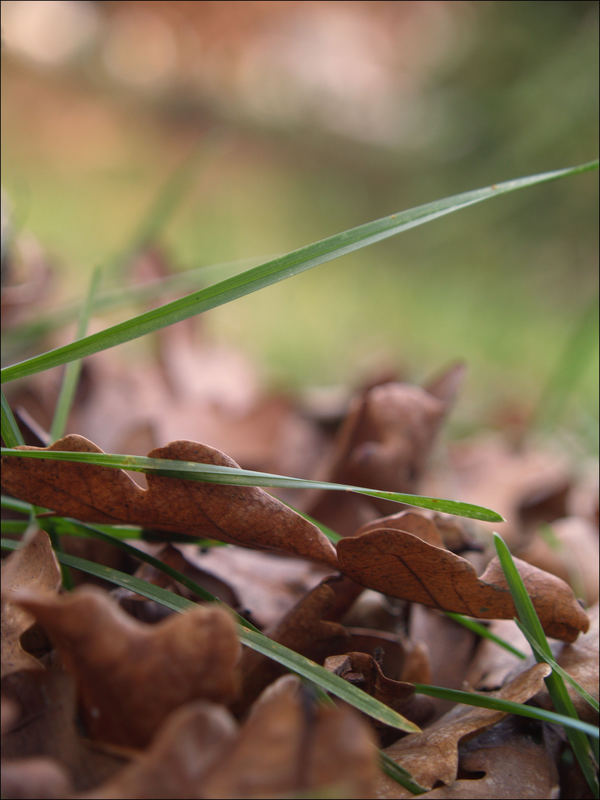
<point x="402" y="565"/>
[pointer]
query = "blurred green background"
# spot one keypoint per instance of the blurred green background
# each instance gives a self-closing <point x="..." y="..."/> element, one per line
<point x="311" y="118"/>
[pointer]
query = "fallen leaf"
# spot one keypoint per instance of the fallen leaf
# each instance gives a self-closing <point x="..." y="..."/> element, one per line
<point x="409" y="522"/>
<point x="47" y="726"/>
<point x="33" y="566"/>
<point x="570" y="551"/>
<point x="432" y="755"/>
<point x="365" y="672"/>
<point x="491" y="664"/>
<point x="403" y="565"/>
<point x="37" y="778"/>
<point x="309" y="628"/>
<point x="580" y="661"/>
<point x="130" y="675"/>
<point x="242" y="515"/>
<point x="291" y="745"/>
<point x="438" y="636"/>
<point x="383" y="443"/>
<point x="488" y="470"/>
<point x="191" y="739"/>
<point x="500" y="769"/>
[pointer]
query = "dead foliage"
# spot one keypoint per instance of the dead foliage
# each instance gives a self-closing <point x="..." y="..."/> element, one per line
<point x="109" y="695"/>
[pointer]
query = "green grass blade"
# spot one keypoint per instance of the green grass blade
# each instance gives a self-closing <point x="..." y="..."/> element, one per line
<point x="66" y="526"/>
<point x="272" y="271"/>
<point x="557" y="668"/>
<point x="11" y="433"/>
<point x="484" y="632"/>
<point x="12" y="504"/>
<point x="497" y="704"/>
<point x="399" y="774"/>
<point x="72" y="370"/>
<point x="256" y="641"/>
<point x="556" y="687"/>
<point x="211" y="473"/>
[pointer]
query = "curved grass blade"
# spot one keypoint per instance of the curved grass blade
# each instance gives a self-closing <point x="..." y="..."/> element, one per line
<point x="211" y="473"/>
<point x="557" y="668"/>
<point x="273" y="271"/>
<point x="497" y="704"/>
<point x="253" y="639"/>
<point x="556" y="687"/>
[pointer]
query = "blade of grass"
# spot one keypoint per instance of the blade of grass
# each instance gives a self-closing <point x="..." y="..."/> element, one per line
<point x="12" y="504"/>
<point x="556" y="687"/>
<point x="253" y="639"/>
<point x="211" y="473"/>
<point x="64" y="525"/>
<point x="271" y="272"/>
<point x="557" y="668"/>
<point x="11" y="433"/>
<point x="399" y="774"/>
<point x="508" y="706"/>
<point x="72" y="370"/>
<point x="484" y="632"/>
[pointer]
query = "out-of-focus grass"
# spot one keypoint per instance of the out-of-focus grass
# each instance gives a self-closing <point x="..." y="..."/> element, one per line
<point x="501" y="286"/>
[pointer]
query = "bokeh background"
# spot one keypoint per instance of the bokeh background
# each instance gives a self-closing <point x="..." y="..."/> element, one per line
<point x="296" y="120"/>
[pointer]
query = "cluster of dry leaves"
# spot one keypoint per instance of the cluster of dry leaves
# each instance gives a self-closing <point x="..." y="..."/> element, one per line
<point x="109" y="695"/>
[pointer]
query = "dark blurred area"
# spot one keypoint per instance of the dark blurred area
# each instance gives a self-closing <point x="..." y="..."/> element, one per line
<point x="308" y="118"/>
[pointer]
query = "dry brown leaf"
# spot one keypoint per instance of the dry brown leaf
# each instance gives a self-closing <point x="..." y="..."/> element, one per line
<point x="364" y="671"/>
<point x="290" y="745"/>
<point x="33" y="566"/>
<point x="309" y="628"/>
<point x="242" y="515"/>
<point x="491" y="664"/>
<point x="131" y="675"/>
<point x="580" y="660"/>
<point x="268" y="585"/>
<point x="403" y="565"/>
<point x="432" y="755"/>
<point x="383" y="443"/>
<point x="517" y="767"/>
<point x="46" y="726"/>
<point x="409" y="522"/>
<point x="187" y="745"/>
<point x="491" y="472"/>
<point x="38" y="778"/>
<point x="571" y="554"/>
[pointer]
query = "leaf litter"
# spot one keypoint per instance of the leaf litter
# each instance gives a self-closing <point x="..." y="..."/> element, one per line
<point x="155" y="705"/>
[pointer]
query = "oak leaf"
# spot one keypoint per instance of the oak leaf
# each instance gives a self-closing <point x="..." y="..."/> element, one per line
<point x="242" y="515"/>
<point x="515" y="766"/>
<point x="383" y="443"/>
<point x="403" y="565"/>
<point x="432" y="755"/>
<point x="309" y="628"/>
<point x="290" y="745"/>
<point x="46" y="726"/>
<point x="34" y="565"/>
<point x="131" y="675"/>
<point x="191" y="739"/>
